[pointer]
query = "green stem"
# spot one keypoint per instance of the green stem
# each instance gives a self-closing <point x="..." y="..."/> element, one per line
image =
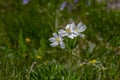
<point x="70" y="64"/>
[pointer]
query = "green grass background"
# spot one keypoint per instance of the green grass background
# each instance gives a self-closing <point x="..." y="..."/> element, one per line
<point x="36" y="60"/>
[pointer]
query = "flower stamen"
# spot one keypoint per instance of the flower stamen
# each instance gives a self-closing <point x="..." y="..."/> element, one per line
<point x="58" y="39"/>
<point x="68" y="30"/>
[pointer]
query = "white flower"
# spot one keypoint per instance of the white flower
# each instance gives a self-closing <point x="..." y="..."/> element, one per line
<point x="79" y="28"/>
<point x="69" y="31"/>
<point x="56" y="40"/>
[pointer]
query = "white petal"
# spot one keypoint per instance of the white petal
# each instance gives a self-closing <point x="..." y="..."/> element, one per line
<point x="52" y="39"/>
<point x="55" y="34"/>
<point x="81" y="27"/>
<point x="62" y="32"/>
<point x="62" y="45"/>
<point x="61" y="39"/>
<point x="73" y="26"/>
<point x="54" y="44"/>
<point x="76" y="33"/>
<point x="72" y="36"/>
<point x="80" y="24"/>
<point x="82" y="35"/>
<point x="68" y="26"/>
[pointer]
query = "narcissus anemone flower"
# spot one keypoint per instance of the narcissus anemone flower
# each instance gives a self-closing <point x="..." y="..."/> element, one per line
<point x="56" y="40"/>
<point x="78" y="29"/>
<point x="69" y="31"/>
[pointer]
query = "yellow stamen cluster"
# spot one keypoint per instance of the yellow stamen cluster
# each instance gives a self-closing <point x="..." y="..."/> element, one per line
<point x="67" y="30"/>
<point x="58" y="39"/>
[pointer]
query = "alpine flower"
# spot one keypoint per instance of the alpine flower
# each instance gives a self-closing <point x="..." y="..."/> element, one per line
<point x="79" y="28"/>
<point x="69" y="31"/>
<point x="57" y="40"/>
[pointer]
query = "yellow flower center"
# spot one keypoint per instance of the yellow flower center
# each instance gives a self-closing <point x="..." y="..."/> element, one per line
<point x="58" y="39"/>
<point x="67" y="30"/>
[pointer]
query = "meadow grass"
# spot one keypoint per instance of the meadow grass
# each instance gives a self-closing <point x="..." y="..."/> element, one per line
<point x="25" y="51"/>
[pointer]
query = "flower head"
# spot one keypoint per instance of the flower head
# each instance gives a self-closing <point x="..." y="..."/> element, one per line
<point x="79" y="28"/>
<point x="69" y="31"/>
<point x="56" y="40"/>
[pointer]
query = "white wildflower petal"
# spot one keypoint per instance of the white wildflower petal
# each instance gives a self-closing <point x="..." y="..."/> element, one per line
<point x="55" y="34"/>
<point x="61" y="39"/>
<point x="62" y="45"/>
<point x="72" y="36"/>
<point x="81" y="27"/>
<point x="54" y="44"/>
<point x="52" y="39"/>
<point x="62" y="32"/>
<point x="73" y="26"/>
<point x="82" y="35"/>
<point x="76" y="33"/>
<point x="68" y="26"/>
<point x="80" y="24"/>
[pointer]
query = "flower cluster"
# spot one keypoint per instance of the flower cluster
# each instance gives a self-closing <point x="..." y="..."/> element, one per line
<point x="71" y="31"/>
